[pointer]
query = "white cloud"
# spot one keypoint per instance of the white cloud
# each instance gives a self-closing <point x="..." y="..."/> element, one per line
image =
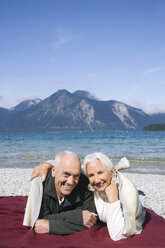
<point x="148" y="108"/>
<point x="64" y="36"/>
<point x="155" y="108"/>
<point x="93" y="76"/>
<point x="152" y="70"/>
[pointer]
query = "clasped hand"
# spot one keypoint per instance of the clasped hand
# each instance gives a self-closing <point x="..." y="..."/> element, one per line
<point x="89" y="218"/>
<point x="41" y="226"/>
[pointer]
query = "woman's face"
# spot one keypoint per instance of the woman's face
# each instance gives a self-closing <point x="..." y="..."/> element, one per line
<point x="99" y="176"/>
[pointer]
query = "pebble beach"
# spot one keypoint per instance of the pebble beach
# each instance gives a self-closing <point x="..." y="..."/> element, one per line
<point x="16" y="182"/>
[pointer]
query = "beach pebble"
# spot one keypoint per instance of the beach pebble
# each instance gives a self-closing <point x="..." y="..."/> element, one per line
<point x="16" y="182"/>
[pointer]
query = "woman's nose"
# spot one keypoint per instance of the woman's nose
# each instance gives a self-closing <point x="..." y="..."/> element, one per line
<point x="97" y="180"/>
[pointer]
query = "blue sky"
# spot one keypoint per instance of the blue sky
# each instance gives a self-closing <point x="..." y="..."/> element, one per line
<point x="114" y="49"/>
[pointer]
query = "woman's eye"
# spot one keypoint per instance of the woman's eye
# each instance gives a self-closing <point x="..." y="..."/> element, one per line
<point x="100" y="172"/>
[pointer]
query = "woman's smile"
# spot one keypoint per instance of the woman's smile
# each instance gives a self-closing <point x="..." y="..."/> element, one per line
<point x="99" y="176"/>
<point x="100" y="184"/>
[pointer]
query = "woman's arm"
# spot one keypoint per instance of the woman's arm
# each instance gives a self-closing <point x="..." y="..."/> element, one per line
<point x="115" y="221"/>
<point x="115" y="218"/>
<point x="121" y="214"/>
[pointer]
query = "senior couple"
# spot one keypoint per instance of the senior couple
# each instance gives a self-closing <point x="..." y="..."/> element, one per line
<point x="66" y="200"/>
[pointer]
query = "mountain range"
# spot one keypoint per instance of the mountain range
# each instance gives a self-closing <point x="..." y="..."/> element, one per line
<point x="78" y="111"/>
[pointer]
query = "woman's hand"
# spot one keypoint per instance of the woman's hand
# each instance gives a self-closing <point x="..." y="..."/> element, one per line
<point x="40" y="170"/>
<point x="112" y="192"/>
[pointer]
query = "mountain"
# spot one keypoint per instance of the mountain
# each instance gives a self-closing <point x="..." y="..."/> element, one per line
<point x="3" y="112"/>
<point x="159" y="118"/>
<point x="26" y="104"/>
<point x="65" y="111"/>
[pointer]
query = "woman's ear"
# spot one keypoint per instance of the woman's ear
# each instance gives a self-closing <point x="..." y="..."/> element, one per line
<point x="53" y="171"/>
<point x="112" y="173"/>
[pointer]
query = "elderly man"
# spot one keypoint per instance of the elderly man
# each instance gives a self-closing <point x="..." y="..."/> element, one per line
<point x="67" y="204"/>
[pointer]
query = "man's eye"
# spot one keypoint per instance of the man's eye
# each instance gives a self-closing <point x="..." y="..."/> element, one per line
<point x="100" y="172"/>
<point x="90" y="175"/>
<point x="66" y="174"/>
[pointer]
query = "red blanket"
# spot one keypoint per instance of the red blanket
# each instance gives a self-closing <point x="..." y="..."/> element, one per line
<point x="13" y="234"/>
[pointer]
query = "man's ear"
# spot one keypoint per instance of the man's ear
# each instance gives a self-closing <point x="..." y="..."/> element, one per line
<point x="53" y="171"/>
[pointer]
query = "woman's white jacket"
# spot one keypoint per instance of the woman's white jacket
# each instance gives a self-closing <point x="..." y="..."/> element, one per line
<point x="124" y="217"/>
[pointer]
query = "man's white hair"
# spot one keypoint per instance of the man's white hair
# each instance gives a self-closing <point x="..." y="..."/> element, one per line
<point x="60" y="156"/>
<point x="106" y="162"/>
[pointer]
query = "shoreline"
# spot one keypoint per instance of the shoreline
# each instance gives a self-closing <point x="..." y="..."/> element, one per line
<point x="16" y="182"/>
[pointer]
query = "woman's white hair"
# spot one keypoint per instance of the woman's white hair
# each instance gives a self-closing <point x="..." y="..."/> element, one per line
<point x="106" y="162"/>
<point x="60" y="156"/>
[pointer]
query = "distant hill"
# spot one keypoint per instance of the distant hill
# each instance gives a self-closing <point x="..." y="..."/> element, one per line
<point x="155" y="127"/>
<point x="3" y="112"/>
<point x="78" y="111"/>
<point x="26" y="104"/>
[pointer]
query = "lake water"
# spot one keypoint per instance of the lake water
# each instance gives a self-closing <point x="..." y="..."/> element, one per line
<point x="144" y="150"/>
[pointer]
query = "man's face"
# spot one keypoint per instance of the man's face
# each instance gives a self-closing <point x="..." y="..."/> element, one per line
<point x="67" y="177"/>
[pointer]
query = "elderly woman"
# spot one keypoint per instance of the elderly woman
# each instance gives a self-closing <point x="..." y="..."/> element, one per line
<point x="116" y="198"/>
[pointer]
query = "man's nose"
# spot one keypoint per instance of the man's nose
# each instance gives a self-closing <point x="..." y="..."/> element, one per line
<point x="70" y="180"/>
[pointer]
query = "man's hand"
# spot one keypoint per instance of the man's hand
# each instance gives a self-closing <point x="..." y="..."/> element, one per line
<point x="89" y="218"/>
<point x="41" y="226"/>
<point x="40" y="170"/>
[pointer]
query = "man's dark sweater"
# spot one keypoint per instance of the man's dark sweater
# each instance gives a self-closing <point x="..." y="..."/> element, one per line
<point x="67" y="217"/>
